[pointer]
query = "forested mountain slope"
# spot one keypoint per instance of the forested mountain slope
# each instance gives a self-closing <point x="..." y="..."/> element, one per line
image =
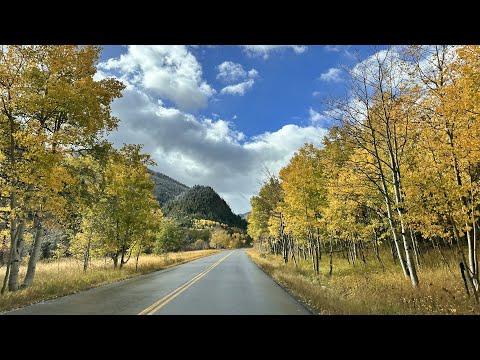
<point x="166" y="188"/>
<point x="202" y="202"/>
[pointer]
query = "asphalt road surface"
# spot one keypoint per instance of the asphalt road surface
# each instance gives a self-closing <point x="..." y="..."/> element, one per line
<point x="227" y="283"/>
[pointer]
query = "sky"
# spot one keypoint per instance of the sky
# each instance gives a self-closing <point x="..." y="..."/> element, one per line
<point x="221" y="115"/>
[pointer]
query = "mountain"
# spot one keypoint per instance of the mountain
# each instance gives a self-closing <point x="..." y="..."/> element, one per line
<point x="166" y="188"/>
<point x="202" y="202"/>
<point x="244" y="215"/>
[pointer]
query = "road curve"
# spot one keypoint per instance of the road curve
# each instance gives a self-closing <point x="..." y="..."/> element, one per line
<point x="227" y="283"/>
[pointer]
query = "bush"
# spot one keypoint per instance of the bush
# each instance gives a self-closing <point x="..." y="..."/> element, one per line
<point x="199" y="245"/>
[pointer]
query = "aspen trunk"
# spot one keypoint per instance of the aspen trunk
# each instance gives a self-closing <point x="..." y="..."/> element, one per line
<point x="351" y="249"/>
<point x="408" y="256"/>
<point x="283" y="240"/>
<point x="475" y="258"/>
<point x="392" y="146"/>
<point x="312" y="252"/>
<point x="292" y="251"/>
<point x="347" y="250"/>
<point x="472" y="256"/>
<point x="86" y="258"/>
<point x="319" y="244"/>
<point x="138" y="255"/>
<point x="362" y="251"/>
<point x="472" y="276"/>
<point x="13" y="242"/>
<point x="13" y="202"/>
<point x="35" y="255"/>
<point x="462" y="255"/>
<point x="331" y="259"/>
<point x="415" y="248"/>
<point x="386" y="196"/>
<point x="375" y="246"/>
<point x="17" y="258"/>
<point x="122" y="260"/>
<point x="115" y="260"/>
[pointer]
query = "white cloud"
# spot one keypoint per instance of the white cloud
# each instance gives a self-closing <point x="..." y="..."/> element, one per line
<point x="317" y="119"/>
<point x="265" y="50"/>
<point x="253" y="73"/>
<point x="313" y="115"/>
<point x="229" y="72"/>
<point x="396" y="70"/>
<point x="394" y="76"/>
<point x="166" y="71"/>
<point x="333" y="48"/>
<point x="190" y="148"/>
<point x="238" y="89"/>
<point x="332" y="75"/>
<point x="204" y="151"/>
<point x="339" y="49"/>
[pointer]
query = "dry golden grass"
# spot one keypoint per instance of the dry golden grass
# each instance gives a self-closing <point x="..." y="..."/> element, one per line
<point x="57" y="278"/>
<point x="370" y="289"/>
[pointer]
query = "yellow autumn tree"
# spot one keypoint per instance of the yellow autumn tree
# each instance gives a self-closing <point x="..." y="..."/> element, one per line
<point x="52" y="106"/>
<point x="445" y="199"/>
<point x="303" y="185"/>
<point x="264" y="213"/>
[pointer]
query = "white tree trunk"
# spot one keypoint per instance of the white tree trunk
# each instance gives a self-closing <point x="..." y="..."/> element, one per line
<point x="16" y="258"/>
<point x="35" y="255"/>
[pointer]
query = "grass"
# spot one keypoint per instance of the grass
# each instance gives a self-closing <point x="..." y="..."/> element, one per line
<point x="55" y="278"/>
<point x="370" y="288"/>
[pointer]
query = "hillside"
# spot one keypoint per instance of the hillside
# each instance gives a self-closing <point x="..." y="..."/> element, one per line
<point x="202" y="202"/>
<point x="166" y="188"/>
<point x="244" y="215"/>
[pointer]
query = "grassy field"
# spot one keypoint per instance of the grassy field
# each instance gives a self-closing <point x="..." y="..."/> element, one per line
<point x="56" y="278"/>
<point x="370" y="288"/>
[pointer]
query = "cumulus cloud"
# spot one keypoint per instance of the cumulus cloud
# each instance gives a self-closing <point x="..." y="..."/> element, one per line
<point x="204" y="151"/>
<point x="165" y="71"/>
<point x="230" y="72"/>
<point x="265" y="51"/>
<point x="332" y="75"/>
<point x="195" y="149"/>
<point x="238" y="89"/>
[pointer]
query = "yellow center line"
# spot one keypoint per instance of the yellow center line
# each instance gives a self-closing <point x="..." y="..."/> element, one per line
<point x="166" y="299"/>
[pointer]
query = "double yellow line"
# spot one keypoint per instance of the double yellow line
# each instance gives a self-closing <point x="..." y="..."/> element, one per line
<point x="166" y="299"/>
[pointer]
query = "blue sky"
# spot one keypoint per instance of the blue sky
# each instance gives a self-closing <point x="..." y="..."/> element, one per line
<point x="219" y="115"/>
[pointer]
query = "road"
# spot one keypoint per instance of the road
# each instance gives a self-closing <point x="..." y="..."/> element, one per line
<point x="227" y="283"/>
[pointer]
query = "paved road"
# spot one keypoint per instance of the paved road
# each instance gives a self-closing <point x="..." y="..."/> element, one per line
<point x="227" y="283"/>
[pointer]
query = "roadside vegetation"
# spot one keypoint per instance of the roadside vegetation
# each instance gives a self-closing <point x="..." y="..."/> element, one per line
<point x="59" y="277"/>
<point x="384" y="217"/>
<point x="370" y="288"/>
